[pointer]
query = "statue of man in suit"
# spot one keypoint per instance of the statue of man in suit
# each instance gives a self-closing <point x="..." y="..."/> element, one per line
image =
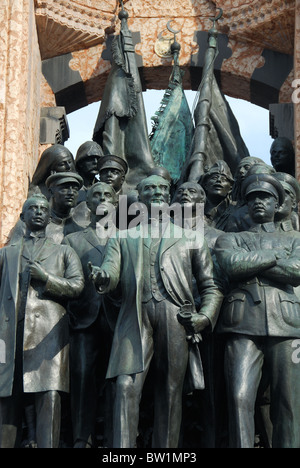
<point x="92" y="318"/>
<point x="37" y="278"/>
<point x="260" y="317"/>
<point x="155" y="266"/>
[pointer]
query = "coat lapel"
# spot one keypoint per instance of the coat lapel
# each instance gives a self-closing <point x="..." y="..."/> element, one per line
<point x="46" y="250"/>
<point x="135" y="248"/>
<point x="13" y="265"/>
<point x="172" y="234"/>
<point x="92" y="238"/>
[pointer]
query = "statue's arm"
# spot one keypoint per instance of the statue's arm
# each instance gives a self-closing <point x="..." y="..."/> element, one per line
<point x="107" y="276"/>
<point x="240" y="260"/>
<point x="72" y="284"/>
<point x="209" y="287"/>
<point x="287" y="268"/>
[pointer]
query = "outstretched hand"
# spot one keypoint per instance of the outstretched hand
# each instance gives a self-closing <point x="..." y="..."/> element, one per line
<point x="98" y="276"/>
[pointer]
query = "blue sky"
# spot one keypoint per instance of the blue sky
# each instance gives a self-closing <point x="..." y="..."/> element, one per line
<point x="253" y="121"/>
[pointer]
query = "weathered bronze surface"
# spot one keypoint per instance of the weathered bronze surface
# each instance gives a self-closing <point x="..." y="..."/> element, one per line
<point x="38" y="277"/>
<point x="179" y="303"/>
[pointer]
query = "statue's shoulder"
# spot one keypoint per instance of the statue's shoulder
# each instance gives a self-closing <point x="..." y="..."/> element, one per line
<point x="75" y="237"/>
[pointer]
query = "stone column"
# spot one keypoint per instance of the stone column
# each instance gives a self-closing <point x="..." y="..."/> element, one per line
<point x="20" y="79"/>
<point x="297" y="77"/>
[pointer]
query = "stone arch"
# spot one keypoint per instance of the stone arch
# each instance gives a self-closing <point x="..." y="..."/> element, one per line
<point x="254" y="62"/>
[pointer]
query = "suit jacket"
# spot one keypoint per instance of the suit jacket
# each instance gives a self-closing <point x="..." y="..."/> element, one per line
<point x="261" y="299"/>
<point x="46" y="339"/>
<point x="84" y="310"/>
<point x="179" y="260"/>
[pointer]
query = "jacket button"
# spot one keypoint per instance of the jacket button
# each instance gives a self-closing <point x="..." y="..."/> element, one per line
<point x="9" y="298"/>
<point x="37" y="314"/>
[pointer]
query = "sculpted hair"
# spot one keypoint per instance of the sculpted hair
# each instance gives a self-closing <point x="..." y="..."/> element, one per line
<point x="100" y="184"/>
<point x="142" y="183"/>
<point x="32" y="199"/>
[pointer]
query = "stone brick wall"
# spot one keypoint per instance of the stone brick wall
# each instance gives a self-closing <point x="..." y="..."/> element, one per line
<point x="20" y="76"/>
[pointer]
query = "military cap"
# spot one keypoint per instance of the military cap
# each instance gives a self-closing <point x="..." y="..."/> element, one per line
<point x="263" y="182"/>
<point x="63" y="177"/>
<point x="87" y="149"/>
<point x="289" y="183"/>
<point x="112" y="161"/>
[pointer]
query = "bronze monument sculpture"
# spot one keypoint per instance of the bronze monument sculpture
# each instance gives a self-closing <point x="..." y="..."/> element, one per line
<point x="283" y="155"/>
<point x="217" y="183"/>
<point x="260" y="316"/>
<point x="86" y="164"/>
<point x="63" y="188"/>
<point x="56" y="158"/>
<point x="92" y="320"/>
<point x="156" y="287"/>
<point x="35" y="326"/>
<point x="112" y="170"/>
<point x="62" y="192"/>
<point x="181" y="318"/>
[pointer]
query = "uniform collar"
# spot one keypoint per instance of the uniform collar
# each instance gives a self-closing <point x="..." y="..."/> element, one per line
<point x="266" y="227"/>
<point x="286" y="225"/>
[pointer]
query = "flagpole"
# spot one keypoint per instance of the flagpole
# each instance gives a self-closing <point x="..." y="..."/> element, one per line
<point x="201" y="114"/>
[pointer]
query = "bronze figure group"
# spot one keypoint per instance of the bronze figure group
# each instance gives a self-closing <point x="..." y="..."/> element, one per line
<point x="171" y="309"/>
<point x="139" y="309"/>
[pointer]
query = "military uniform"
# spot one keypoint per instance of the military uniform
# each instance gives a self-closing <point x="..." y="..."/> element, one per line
<point x="260" y="319"/>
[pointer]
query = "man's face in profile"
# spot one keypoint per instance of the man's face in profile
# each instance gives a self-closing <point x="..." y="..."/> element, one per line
<point x="281" y="156"/>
